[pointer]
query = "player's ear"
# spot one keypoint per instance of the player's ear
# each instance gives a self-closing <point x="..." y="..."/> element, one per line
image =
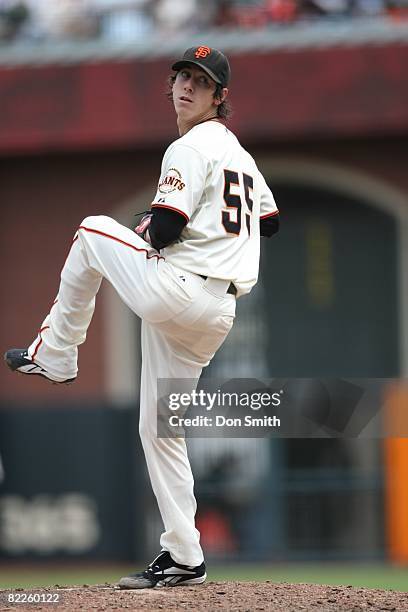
<point x="223" y="94"/>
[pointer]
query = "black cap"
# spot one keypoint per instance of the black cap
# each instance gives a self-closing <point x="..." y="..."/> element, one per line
<point x="212" y="61"/>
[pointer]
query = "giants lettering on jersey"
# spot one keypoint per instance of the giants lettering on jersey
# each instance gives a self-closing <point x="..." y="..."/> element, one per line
<point x="171" y="182"/>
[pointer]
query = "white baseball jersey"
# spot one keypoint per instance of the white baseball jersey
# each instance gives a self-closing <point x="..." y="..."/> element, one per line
<point x="210" y="179"/>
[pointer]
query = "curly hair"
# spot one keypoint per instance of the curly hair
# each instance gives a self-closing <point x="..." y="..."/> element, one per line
<point x="224" y="110"/>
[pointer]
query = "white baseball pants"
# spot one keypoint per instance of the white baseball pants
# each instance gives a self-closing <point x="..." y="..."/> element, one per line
<point x="185" y="321"/>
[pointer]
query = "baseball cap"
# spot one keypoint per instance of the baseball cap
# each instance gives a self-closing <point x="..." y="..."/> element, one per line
<point x="212" y="61"/>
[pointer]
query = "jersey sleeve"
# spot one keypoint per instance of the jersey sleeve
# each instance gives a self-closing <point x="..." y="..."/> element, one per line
<point x="182" y="180"/>
<point x="268" y="206"/>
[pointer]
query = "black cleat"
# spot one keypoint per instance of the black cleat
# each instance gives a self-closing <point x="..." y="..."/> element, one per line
<point x="163" y="571"/>
<point x="19" y="360"/>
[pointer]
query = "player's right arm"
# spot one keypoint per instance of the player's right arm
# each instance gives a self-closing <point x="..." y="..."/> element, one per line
<point x="269" y="213"/>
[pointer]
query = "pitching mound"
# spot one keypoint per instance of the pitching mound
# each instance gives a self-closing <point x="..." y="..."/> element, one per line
<point x="229" y="596"/>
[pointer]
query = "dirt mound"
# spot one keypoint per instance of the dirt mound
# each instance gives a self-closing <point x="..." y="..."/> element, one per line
<point x="231" y="596"/>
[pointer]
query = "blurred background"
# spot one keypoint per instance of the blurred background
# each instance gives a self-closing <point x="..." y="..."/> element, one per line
<point x="320" y="93"/>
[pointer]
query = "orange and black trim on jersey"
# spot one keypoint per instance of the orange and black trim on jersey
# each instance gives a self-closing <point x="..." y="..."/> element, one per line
<point x="272" y="214"/>
<point x="177" y="210"/>
<point x="269" y="223"/>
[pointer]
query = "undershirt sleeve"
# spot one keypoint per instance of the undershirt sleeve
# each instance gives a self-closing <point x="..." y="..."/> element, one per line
<point x="269" y="225"/>
<point x="165" y="227"/>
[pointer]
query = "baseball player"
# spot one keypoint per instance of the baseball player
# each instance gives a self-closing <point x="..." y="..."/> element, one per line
<point x="193" y="254"/>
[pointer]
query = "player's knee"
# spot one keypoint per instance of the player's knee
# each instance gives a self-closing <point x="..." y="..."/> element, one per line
<point x="96" y="222"/>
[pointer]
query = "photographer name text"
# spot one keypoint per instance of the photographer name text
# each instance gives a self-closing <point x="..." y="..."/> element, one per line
<point x="222" y="421"/>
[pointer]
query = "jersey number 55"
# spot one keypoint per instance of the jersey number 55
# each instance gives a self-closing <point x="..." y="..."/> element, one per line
<point x="232" y="219"/>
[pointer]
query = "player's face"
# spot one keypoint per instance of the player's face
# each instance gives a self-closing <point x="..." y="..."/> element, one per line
<point x="193" y="95"/>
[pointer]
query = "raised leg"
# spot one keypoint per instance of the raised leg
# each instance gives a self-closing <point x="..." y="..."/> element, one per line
<point x="102" y="248"/>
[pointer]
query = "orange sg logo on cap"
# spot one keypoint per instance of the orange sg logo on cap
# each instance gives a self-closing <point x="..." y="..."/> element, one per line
<point x="202" y="52"/>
